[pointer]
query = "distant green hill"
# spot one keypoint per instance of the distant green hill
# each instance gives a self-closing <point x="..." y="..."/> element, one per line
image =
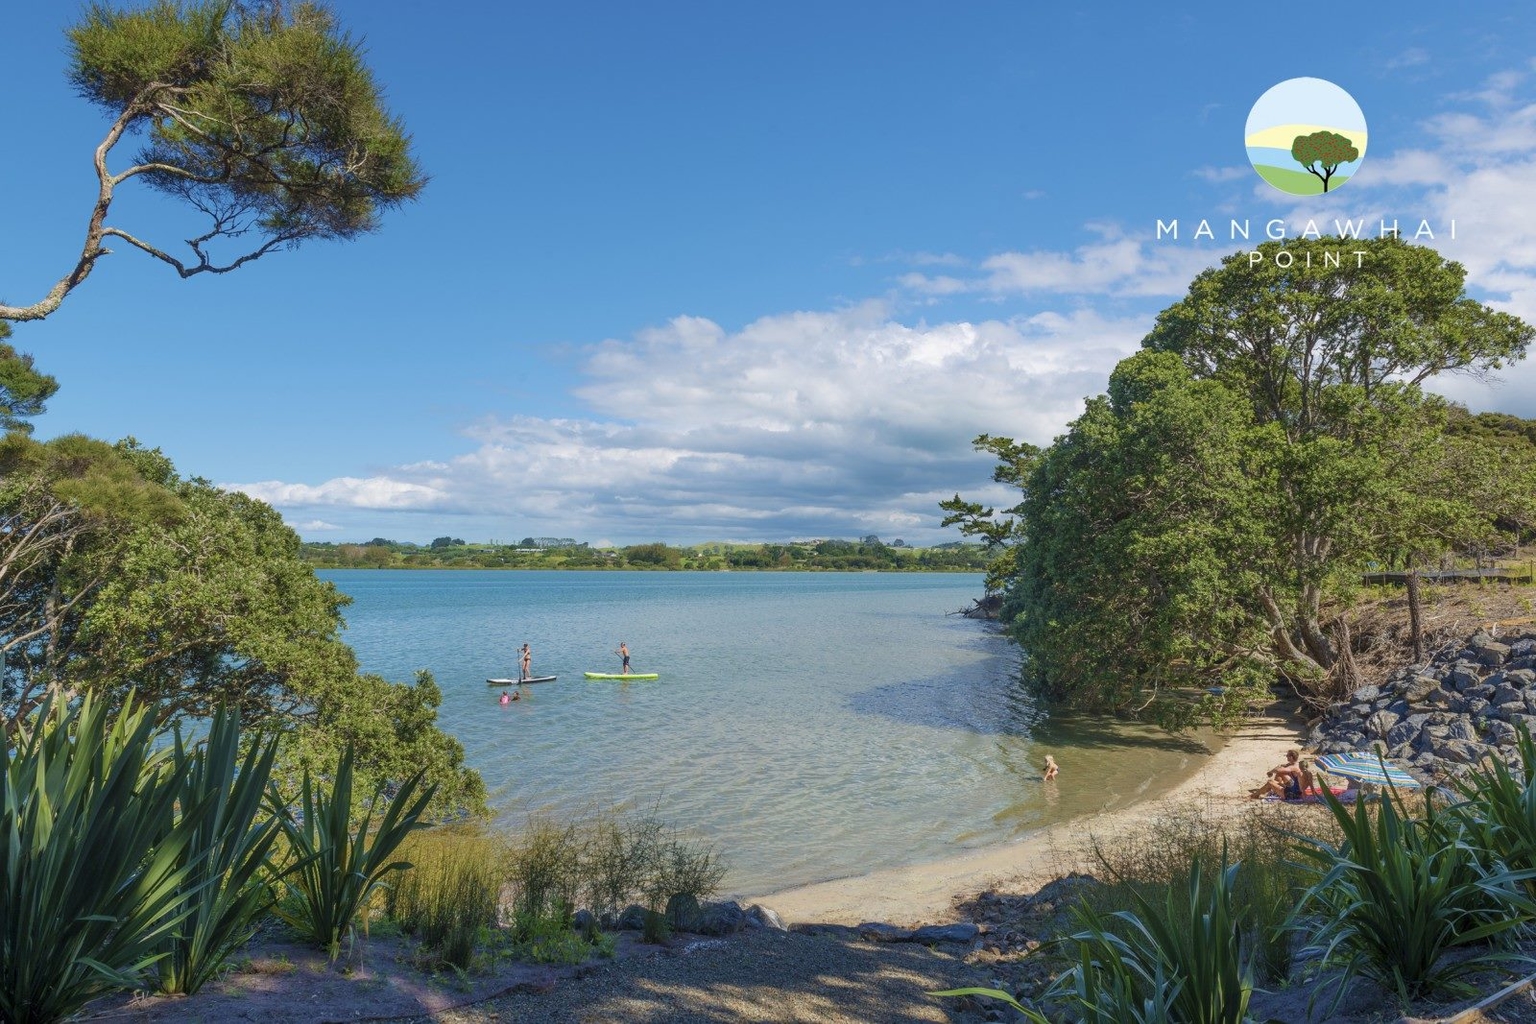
<point x="1297" y="182"/>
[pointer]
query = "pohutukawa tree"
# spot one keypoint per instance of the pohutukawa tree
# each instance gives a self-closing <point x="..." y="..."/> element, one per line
<point x="261" y="117"/>
<point x="1321" y="153"/>
<point x="1203" y="523"/>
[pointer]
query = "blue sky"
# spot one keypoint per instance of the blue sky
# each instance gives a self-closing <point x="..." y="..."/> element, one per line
<point x="721" y="271"/>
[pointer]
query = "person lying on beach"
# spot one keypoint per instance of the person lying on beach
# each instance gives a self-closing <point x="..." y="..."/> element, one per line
<point x="1283" y="780"/>
<point x="1051" y="768"/>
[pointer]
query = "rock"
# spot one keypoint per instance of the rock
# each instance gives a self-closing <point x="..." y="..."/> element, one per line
<point x="1461" y="752"/>
<point x="759" y="916"/>
<point x="725" y="918"/>
<point x="584" y="921"/>
<point x="1419" y="687"/>
<point x="1501" y="733"/>
<point x="879" y="931"/>
<point x="1521" y="677"/>
<point x="1494" y="654"/>
<point x="1381" y="723"/>
<point x="962" y="932"/>
<point x="683" y="912"/>
<point x="1365" y="694"/>
<point x="1506" y="694"/>
<point x="1478" y="708"/>
<point x="1462" y="730"/>
<point x="1464" y="677"/>
<point x="633" y="918"/>
<point x="1446" y="699"/>
<point x="1523" y="648"/>
<point x="1418" y="721"/>
<point x="1403" y="732"/>
<point x="1512" y="709"/>
<point x="1068" y="887"/>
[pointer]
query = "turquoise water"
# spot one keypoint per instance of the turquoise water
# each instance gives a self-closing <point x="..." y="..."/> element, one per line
<point x="813" y="725"/>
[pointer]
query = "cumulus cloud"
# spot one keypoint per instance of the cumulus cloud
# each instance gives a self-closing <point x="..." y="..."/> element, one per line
<point x="851" y="421"/>
<point x="800" y="424"/>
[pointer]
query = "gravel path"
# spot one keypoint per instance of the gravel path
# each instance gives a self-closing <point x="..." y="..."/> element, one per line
<point x="762" y="976"/>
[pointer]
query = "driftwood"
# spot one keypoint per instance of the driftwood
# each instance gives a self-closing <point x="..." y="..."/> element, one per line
<point x="986" y="607"/>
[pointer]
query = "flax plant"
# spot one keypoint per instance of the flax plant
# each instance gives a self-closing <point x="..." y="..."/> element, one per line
<point x="223" y="892"/>
<point x="339" y="868"/>
<point x="95" y="869"/>
<point x="1397" y="894"/>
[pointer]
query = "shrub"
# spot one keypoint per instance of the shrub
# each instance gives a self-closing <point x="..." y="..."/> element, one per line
<point x="338" y="869"/>
<point x="92" y="870"/>
<point x="1397" y="894"/>
<point x="1499" y="810"/>
<point x="222" y="891"/>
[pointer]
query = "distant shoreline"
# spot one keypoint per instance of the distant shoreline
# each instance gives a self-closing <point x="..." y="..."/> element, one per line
<point x="635" y="568"/>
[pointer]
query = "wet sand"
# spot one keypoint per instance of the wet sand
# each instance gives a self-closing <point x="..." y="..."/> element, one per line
<point x="926" y="893"/>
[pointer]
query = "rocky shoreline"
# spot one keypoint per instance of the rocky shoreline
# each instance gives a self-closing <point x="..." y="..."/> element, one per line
<point x="1440" y="718"/>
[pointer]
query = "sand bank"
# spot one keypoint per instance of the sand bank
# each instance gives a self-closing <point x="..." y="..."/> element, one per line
<point x="925" y="893"/>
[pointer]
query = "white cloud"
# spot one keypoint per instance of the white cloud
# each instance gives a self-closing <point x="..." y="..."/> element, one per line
<point x="1413" y="57"/>
<point x="808" y="423"/>
<point x="851" y="421"/>
<point x="316" y="526"/>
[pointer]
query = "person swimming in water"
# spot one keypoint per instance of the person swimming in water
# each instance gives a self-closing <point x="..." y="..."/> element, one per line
<point x="506" y="698"/>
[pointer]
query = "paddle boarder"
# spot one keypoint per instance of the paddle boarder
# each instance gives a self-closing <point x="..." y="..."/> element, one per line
<point x="526" y="661"/>
<point x="623" y="652"/>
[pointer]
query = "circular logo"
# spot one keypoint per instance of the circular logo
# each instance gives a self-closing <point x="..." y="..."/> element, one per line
<point x="1306" y="136"/>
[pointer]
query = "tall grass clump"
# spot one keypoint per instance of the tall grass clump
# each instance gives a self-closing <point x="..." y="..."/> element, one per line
<point x="451" y="892"/>
<point x="93" y="857"/>
<point x="1397" y="894"/>
<point x="337" y="866"/>
<point x="223" y="890"/>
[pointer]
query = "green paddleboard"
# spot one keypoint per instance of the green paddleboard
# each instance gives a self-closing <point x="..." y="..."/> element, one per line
<point x="619" y="675"/>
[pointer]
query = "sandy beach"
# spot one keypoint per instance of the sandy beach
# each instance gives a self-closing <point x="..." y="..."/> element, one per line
<point x="925" y="893"/>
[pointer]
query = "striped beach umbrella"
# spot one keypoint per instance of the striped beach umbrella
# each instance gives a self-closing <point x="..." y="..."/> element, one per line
<point x="1366" y="768"/>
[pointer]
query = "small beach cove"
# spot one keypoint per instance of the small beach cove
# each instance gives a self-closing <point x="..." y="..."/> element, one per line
<point x="812" y="726"/>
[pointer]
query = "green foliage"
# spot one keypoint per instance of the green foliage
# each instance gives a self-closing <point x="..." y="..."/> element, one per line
<point x="657" y="554"/>
<point x="606" y="862"/>
<point x="116" y="574"/>
<point x="450" y="892"/>
<point x="338" y="867"/>
<point x="1200" y="523"/>
<point x="1322" y="152"/>
<point x="549" y="939"/>
<point x="1397" y="895"/>
<point x="261" y="116"/>
<point x="1498" y="809"/>
<point x="93" y="863"/>
<point x="223" y="892"/>
<point x="262" y="111"/>
<point x="1187" y="956"/>
<point x="23" y="391"/>
<point x="655" y="928"/>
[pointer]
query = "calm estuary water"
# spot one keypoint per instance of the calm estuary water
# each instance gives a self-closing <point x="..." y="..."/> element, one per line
<point x="813" y="725"/>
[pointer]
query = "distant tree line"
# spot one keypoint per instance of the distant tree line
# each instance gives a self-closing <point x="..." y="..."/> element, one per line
<point x="870" y="553"/>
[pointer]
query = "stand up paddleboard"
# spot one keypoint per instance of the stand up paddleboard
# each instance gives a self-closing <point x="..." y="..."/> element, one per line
<point x="620" y="675"/>
<point x="520" y="682"/>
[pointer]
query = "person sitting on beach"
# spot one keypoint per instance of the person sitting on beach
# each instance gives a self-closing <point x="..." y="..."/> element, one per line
<point x="1051" y="768"/>
<point x="1284" y="780"/>
<point x="506" y="698"/>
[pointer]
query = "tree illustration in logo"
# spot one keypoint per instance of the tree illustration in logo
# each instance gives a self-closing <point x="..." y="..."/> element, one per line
<point x="1325" y="150"/>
